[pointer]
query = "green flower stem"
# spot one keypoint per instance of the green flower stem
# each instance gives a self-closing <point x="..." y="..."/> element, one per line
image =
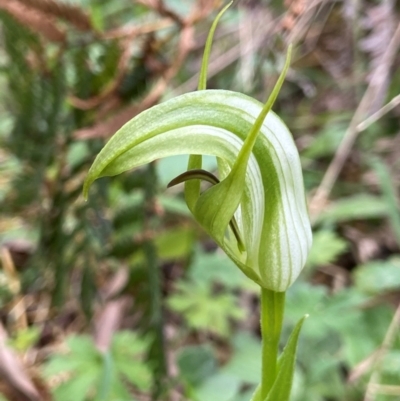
<point x="272" y="309"/>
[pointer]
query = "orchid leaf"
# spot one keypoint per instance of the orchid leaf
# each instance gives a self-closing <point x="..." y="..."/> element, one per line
<point x="283" y="383"/>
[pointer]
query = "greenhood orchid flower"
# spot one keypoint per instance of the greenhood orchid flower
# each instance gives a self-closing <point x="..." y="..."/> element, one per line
<point x="256" y="211"/>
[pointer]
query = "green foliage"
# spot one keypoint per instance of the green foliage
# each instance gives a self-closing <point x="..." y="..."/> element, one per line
<point x="203" y="378"/>
<point x="327" y="141"/>
<point x="25" y="339"/>
<point x="175" y="243"/>
<point x="78" y="246"/>
<point x="93" y="375"/>
<point x="330" y="342"/>
<point x="196" y="363"/>
<point x="356" y="207"/>
<point x="330" y="339"/>
<point x="326" y="247"/>
<point x="226" y="386"/>
<point x="378" y="276"/>
<point x="246" y="352"/>
<point x="216" y="268"/>
<point x="204" y="309"/>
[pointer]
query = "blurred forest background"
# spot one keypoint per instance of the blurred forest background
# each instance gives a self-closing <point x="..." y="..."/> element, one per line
<point x="123" y="297"/>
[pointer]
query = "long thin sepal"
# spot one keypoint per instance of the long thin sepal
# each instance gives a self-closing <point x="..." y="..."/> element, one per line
<point x="207" y="50"/>
<point x="192" y="188"/>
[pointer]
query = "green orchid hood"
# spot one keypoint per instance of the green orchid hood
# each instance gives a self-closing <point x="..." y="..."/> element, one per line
<point x="268" y="202"/>
<point x="256" y="210"/>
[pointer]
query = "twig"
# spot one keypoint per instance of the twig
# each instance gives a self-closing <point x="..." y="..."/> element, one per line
<point x="386" y="344"/>
<point x="218" y="63"/>
<point x="133" y="31"/>
<point x="379" y="114"/>
<point x="385" y="389"/>
<point x="17" y="306"/>
<point x="35" y="20"/>
<point x="14" y="373"/>
<point x="323" y="191"/>
<point x="103" y="129"/>
<point x="68" y="12"/>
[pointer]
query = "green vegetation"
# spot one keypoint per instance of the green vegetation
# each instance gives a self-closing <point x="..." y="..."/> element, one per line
<point x="130" y="264"/>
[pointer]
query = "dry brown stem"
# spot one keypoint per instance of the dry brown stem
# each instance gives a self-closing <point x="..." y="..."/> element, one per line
<point x="17" y="305"/>
<point x="35" y="20"/>
<point x="126" y="35"/>
<point x="132" y="32"/>
<point x="72" y="14"/>
<point x="104" y="129"/>
<point x="14" y="378"/>
<point x="373" y="384"/>
<point x="86" y="104"/>
<point x="364" y="108"/>
<point x="109" y="319"/>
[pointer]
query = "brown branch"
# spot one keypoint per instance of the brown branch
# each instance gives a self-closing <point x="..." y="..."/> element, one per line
<point x="364" y="108"/>
<point x="34" y="20"/>
<point x="14" y="373"/>
<point x="109" y="91"/>
<point x="131" y="32"/>
<point x="107" y="128"/>
<point x="70" y="13"/>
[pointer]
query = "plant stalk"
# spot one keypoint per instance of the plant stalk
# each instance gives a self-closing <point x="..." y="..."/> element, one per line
<point x="272" y="309"/>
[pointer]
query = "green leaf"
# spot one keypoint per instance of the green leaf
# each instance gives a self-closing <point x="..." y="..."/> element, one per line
<point x="327" y="141"/>
<point x="378" y="276"/>
<point x="174" y="205"/>
<point x="245" y="363"/>
<point x="357" y="207"/>
<point x="82" y="346"/>
<point x="204" y="310"/>
<point x="196" y="363"/>
<point x="211" y="268"/>
<point x="370" y="325"/>
<point x="325" y="311"/>
<point x="82" y="356"/>
<point x="326" y="247"/>
<point x="128" y="351"/>
<point x="175" y="243"/>
<point x="283" y="383"/>
<point x="76" y="388"/>
<point x="220" y="386"/>
<point x="25" y="338"/>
